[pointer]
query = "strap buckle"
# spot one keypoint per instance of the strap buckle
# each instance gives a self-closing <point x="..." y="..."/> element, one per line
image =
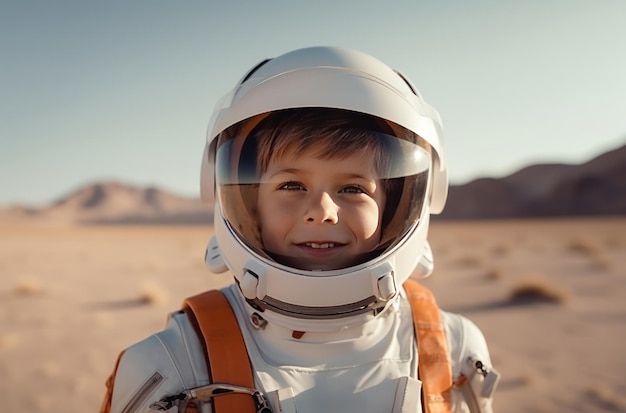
<point x="205" y="393"/>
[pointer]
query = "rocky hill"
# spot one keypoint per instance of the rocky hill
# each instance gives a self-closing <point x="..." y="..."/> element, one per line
<point x="597" y="187"/>
<point x="117" y="203"/>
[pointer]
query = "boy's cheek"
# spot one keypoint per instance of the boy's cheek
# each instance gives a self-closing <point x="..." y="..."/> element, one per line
<point x="368" y="218"/>
<point x="271" y="243"/>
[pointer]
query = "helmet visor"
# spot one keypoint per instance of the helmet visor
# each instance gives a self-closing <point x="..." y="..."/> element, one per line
<point x="321" y="189"/>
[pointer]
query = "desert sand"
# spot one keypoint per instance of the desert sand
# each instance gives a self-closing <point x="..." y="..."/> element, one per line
<point x="550" y="296"/>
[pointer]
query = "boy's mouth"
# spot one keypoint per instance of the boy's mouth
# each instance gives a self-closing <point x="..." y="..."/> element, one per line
<point x="320" y="245"/>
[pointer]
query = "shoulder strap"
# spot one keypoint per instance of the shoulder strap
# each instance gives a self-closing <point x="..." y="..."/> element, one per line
<point x="434" y="368"/>
<point x="225" y="350"/>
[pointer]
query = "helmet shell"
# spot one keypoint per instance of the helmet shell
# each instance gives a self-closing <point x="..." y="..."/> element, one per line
<point x="324" y="77"/>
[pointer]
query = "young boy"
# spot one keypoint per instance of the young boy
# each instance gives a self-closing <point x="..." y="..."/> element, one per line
<point x="325" y="165"/>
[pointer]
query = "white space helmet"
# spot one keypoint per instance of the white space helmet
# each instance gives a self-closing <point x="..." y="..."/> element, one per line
<point x="341" y="108"/>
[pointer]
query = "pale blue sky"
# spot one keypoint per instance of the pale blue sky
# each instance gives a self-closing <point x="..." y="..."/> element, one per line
<point x="123" y="90"/>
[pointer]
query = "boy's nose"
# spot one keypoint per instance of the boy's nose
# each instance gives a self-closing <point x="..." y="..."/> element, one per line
<point x="322" y="209"/>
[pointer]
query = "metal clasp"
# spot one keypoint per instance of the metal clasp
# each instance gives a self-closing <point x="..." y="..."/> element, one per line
<point x="205" y="393"/>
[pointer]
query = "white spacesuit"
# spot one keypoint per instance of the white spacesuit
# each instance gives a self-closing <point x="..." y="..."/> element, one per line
<point x="320" y="236"/>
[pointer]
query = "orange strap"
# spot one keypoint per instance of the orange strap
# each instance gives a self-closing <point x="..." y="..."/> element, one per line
<point x="434" y="367"/>
<point x="226" y="354"/>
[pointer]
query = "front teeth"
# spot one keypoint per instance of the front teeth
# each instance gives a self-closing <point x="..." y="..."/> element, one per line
<point x="324" y="245"/>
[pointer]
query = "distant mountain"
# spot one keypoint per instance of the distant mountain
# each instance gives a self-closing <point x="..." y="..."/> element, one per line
<point x="594" y="188"/>
<point x="117" y="203"/>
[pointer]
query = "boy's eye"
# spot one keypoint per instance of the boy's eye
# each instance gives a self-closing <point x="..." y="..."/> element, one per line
<point x="291" y="186"/>
<point x="353" y="189"/>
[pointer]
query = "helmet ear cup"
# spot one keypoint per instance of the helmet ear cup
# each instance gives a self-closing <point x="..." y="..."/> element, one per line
<point x="426" y="264"/>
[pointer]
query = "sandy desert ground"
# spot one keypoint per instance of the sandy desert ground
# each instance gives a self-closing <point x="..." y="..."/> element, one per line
<point x="550" y="296"/>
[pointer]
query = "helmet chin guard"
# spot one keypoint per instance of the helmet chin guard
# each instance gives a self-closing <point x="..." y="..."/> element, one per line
<point x="318" y="300"/>
<point x="411" y="170"/>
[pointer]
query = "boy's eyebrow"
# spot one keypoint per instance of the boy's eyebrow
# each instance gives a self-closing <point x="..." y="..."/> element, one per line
<point x="361" y="176"/>
<point x="287" y="170"/>
<point x="346" y="175"/>
<point x="284" y="171"/>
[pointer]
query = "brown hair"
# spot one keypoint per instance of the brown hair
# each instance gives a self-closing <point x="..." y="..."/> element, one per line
<point x="330" y="133"/>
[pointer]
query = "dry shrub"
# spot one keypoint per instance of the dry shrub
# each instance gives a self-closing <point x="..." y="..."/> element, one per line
<point x="152" y="293"/>
<point x="528" y="379"/>
<point x="28" y="286"/>
<point x="538" y="290"/>
<point x="607" y="399"/>
<point x="493" y="274"/>
<point x="596" y="254"/>
<point x="584" y="246"/>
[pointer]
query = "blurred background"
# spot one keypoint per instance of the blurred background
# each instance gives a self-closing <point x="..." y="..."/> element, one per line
<point x="103" y="114"/>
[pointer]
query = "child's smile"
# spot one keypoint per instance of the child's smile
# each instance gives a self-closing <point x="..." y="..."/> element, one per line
<point x="320" y="214"/>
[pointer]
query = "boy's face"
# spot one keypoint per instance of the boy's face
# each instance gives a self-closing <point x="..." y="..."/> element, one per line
<point x="320" y="214"/>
